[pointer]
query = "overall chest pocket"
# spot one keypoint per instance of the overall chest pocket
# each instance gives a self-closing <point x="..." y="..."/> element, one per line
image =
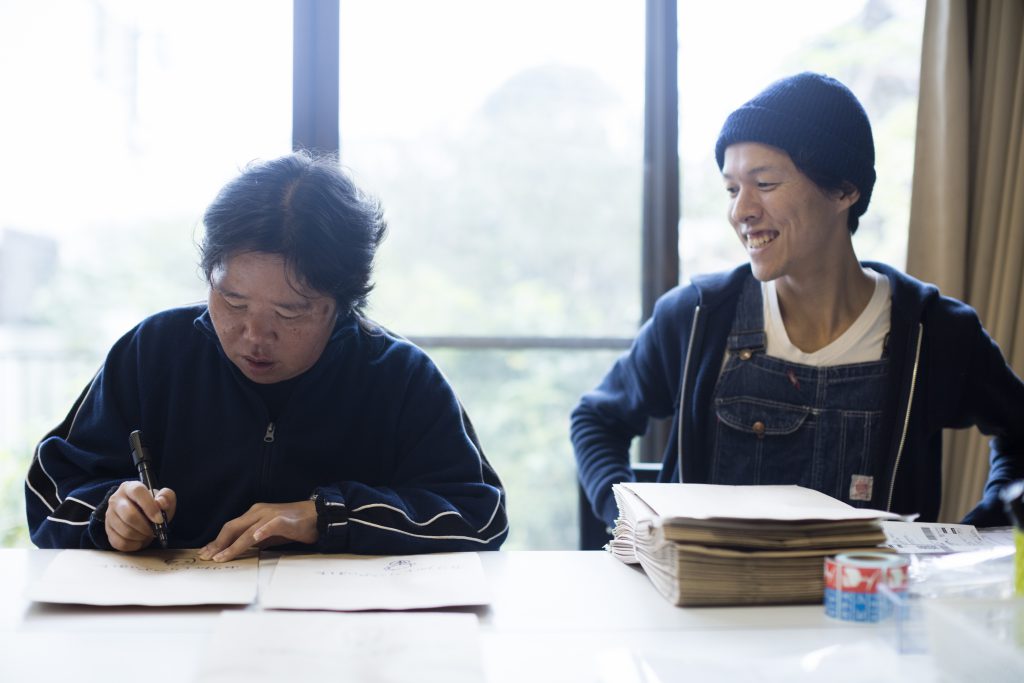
<point x="758" y="441"/>
<point x="853" y="455"/>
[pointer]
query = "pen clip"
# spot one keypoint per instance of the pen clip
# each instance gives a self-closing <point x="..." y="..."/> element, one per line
<point x="139" y="455"/>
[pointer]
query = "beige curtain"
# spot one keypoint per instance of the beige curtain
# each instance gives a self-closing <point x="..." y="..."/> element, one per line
<point x="967" y="207"/>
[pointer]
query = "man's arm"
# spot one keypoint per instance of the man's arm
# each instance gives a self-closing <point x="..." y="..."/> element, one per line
<point x="994" y="401"/>
<point x="642" y="384"/>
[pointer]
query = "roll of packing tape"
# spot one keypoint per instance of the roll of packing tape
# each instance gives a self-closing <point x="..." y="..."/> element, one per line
<point x="852" y="581"/>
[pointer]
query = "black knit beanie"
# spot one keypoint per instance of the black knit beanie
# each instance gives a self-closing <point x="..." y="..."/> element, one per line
<point x="817" y="121"/>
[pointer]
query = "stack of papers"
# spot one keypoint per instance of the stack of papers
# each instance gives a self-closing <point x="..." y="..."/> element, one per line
<point x="705" y="544"/>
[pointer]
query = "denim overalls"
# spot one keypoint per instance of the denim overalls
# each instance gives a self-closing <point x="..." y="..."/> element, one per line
<point x="777" y="422"/>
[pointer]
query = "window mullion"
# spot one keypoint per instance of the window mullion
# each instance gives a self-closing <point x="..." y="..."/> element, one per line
<point x="660" y="261"/>
<point x="315" y="76"/>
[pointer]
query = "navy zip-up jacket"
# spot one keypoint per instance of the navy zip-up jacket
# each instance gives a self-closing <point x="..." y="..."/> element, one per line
<point x="372" y="432"/>
<point x="944" y="372"/>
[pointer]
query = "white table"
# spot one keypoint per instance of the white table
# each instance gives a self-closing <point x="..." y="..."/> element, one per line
<point x="555" y="616"/>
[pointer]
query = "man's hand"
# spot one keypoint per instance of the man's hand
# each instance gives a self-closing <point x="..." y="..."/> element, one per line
<point x="264" y="525"/>
<point x="131" y="512"/>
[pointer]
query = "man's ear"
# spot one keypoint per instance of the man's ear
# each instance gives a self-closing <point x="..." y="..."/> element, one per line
<point x="848" y="195"/>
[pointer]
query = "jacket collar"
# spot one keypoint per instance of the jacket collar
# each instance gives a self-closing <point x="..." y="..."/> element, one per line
<point x="910" y="296"/>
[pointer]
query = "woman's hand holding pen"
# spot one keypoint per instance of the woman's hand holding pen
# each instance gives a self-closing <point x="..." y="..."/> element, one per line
<point x="131" y="513"/>
<point x="264" y="525"/>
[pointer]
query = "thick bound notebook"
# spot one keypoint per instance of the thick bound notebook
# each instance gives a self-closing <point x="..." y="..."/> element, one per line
<point x="705" y="544"/>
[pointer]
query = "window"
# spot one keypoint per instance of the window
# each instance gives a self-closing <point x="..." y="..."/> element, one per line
<point x="121" y="121"/>
<point x="506" y="143"/>
<point x="511" y="164"/>
<point x="729" y="52"/>
<point x="505" y="140"/>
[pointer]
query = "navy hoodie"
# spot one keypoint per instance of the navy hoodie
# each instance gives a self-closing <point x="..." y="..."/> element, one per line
<point x="944" y="372"/>
<point x="372" y="432"/>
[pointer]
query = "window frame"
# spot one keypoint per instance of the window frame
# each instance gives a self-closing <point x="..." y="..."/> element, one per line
<point x="316" y="127"/>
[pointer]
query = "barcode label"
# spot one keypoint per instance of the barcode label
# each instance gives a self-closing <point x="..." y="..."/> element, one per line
<point x="908" y="537"/>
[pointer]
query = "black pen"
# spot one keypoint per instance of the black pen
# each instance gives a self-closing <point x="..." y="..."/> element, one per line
<point x="141" y="459"/>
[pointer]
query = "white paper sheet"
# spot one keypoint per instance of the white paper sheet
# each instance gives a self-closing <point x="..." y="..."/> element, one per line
<point x="322" y="646"/>
<point x="857" y="660"/>
<point x="785" y="502"/>
<point x="151" y="578"/>
<point x="361" y="582"/>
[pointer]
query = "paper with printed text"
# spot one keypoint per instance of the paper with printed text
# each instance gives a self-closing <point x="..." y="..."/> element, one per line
<point x="363" y="582"/>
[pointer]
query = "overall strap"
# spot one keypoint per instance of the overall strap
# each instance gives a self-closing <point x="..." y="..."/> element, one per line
<point x="748" y="324"/>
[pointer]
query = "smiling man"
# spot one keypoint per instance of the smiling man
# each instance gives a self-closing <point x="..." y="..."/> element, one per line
<point x="805" y="366"/>
<point x="276" y="413"/>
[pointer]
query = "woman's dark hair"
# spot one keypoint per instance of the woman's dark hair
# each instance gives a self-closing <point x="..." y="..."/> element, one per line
<point x="311" y="213"/>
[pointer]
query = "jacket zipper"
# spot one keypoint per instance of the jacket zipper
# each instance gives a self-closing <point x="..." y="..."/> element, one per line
<point x="265" y="453"/>
<point x="906" y="417"/>
<point x="682" y="390"/>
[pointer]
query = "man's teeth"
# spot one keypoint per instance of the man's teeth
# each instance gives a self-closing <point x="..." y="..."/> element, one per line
<point x="760" y="239"/>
